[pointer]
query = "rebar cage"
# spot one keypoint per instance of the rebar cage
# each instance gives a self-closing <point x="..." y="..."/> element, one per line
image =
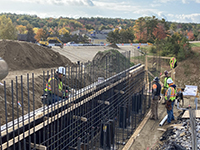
<point x="97" y="114"/>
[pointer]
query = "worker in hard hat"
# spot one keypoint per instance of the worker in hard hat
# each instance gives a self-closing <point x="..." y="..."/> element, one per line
<point x="55" y="90"/>
<point x="170" y="97"/>
<point x="165" y="85"/>
<point x="156" y="88"/>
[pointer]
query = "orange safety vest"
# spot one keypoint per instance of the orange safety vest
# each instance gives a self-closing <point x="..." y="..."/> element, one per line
<point x="172" y="95"/>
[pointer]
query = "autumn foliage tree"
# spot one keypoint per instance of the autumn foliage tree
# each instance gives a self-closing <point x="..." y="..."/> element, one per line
<point x="21" y="29"/>
<point x="40" y="35"/>
<point x="159" y="32"/>
<point x="63" y="31"/>
<point x="7" y="29"/>
<point x="140" y="30"/>
<point x="190" y="35"/>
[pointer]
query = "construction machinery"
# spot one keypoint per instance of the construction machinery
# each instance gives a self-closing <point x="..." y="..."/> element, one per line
<point x="51" y="41"/>
<point x="3" y="69"/>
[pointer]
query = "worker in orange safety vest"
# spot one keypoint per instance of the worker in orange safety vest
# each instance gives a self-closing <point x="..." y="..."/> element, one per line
<point x="156" y="88"/>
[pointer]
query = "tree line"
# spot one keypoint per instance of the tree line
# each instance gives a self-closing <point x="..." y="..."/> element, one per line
<point x="171" y="37"/>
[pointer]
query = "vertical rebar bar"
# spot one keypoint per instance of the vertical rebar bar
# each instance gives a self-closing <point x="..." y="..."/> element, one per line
<point x="12" y="93"/>
<point x="47" y="101"/>
<point x="6" y="116"/>
<point x="34" y="134"/>
<point x="43" y="85"/>
<point x="28" y="112"/>
<point x="19" y="143"/>
<point x="0" y="134"/>
<point x="22" y="99"/>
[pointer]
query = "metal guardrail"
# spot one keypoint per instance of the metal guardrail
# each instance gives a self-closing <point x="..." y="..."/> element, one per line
<point x="125" y="44"/>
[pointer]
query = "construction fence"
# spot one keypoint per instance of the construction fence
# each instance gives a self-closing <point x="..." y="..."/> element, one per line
<point x="104" y="107"/>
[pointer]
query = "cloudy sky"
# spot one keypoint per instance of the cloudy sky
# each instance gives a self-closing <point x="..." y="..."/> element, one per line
<point x="186" y="11"/>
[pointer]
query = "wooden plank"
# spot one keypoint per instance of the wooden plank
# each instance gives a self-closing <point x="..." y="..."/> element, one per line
<point x="37" y="146"/>
<point x="137" y="131"/>
<point x="151" y="74"/>
<point x="186" y="114"/>
<point x="177" y="126"/>
<point x="64" y="112"/>
<point x="158" y="57"/>
<point x="161" y="129"/>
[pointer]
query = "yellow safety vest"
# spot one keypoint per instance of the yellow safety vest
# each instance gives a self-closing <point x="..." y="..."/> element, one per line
<point x="172" y="95"/>
<point x="166" y="86"/>
<point x="48" y="85"/>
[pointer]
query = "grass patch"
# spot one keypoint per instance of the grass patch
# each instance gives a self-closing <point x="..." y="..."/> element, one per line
<point x="195" y="44"/>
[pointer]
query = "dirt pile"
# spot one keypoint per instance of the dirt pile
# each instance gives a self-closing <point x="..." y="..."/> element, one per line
<point x="29" y="56"/>
<point x="188" y="71"/>
<point x="113" y="46"/>
<point x="108" y="62"/>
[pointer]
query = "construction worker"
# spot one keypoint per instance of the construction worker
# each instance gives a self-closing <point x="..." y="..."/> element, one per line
<point x="170" y="96"/>
<point x="156" y="88"/>
<point x="179" y="97"/>
<point x="165" y="84"/>
<point x="55" y="90"/>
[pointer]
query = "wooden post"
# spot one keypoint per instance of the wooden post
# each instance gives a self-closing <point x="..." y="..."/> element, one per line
<point x="146" y="69"/>
<point x="173" y="75"/>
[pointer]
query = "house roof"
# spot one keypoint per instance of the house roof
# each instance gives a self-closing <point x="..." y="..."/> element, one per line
<point x="22" y="37"/>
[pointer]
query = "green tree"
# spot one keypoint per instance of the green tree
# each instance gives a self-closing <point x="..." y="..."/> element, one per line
<point x="113" y="36"/>
<point x="65" y="38"/>
<point x="7" y="29"/>
<point x="176" y="45"/>
<point x="30" y="34"/>
<point x="173" y="27"/>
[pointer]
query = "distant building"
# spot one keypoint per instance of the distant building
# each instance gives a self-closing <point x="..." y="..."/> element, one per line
<point x="79" y="32"/>
<point x="22" y="37"/>
<point x="25" y="37"/>
<point x="105" y="31"/>
<point x="98" y="38"/>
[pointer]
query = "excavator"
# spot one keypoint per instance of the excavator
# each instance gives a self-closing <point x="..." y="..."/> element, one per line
<point x="3" y="69"/>
<point x="51" y="41"/>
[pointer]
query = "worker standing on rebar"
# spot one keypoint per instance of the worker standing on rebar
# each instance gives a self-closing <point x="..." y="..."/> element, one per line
<point x="166" y="86"/>
<point x="55" y="88"/>
<point x="156" y="88"/>
<point x="170" y="96"/>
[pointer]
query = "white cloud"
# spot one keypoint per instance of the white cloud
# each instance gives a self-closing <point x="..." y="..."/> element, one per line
<point x="197" y="1"/>
<point x="184" y="1"/>
<point x="162" y="1"/>
<point x="59" y="2"/>
<point x="191" y="18"/>
<point x="155" y="5"/>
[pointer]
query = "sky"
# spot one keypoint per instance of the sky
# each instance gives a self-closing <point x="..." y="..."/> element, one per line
<point x="181" y="11"/>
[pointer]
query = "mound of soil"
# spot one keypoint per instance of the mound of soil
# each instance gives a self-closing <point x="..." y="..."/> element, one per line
<point x="28" y="56"/>
<point x="108" y="62"/>
<point x="113" y="46"/>
<point x="188" y="72"/>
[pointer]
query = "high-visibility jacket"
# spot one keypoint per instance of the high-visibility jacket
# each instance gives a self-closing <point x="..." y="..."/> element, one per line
<point x="173" y="62"/>
<point x="166" y="86"/>
<point x="157" y="87"/>
<point x="172" y="94"/>
<point x="48" y="85"/>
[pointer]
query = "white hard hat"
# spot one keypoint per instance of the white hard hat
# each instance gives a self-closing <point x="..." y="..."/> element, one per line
<point x="169" y="81"/>
<point x="61" y="70"/>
